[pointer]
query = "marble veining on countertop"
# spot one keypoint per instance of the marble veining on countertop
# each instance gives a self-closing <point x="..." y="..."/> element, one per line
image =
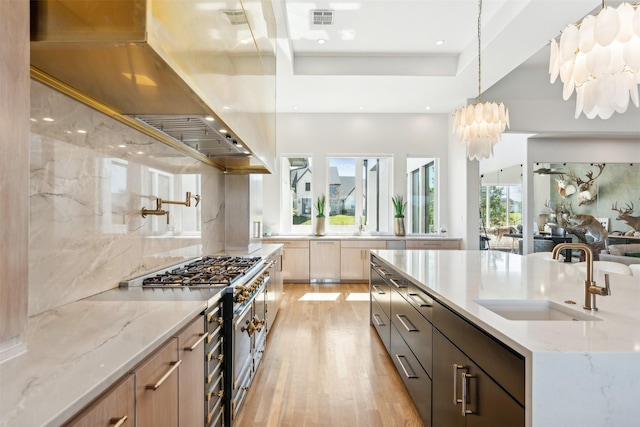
<point x="578" y="373"/>
<point x="75" y="352"/>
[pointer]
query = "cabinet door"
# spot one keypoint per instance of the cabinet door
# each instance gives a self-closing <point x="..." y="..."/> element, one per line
<point x="295" y="264"/>
<point x="351" y="264"/>
<point x="461" y="386"/>
<point x="489" y="404"/>
<point x="157" y="388"/>
<point x="115" y="407"/>
<point x="354" y="258"/>
<point x="448" y="362"/>
<point x="324" y="260"/>
<point x="191" y="374"/>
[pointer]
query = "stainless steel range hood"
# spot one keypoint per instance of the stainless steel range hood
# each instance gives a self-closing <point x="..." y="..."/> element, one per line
<point x="101" y="53"/>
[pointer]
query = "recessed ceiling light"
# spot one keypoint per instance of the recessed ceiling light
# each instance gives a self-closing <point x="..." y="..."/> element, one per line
<point x="48" y="119"/>
<point x="439" y="42"/>
<point x="295" y="107"/>
<point x="226" y="107"/>
<point x="427" y="108"/>
<point x="321" y="41"/>
<point x="210" y="119"/>
<point x="122" y="145"/>
<point x="244" y="41"/>
<point x="361" y="107"/>
<point x="223" y="131"/>
<point x="140" y="152"/>
<point x="81" y="131"/>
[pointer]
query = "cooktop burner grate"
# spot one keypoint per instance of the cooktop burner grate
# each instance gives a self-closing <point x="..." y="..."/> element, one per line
<point x="207" y="271"/>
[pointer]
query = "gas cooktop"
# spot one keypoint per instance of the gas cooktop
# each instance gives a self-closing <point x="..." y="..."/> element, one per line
<point x="207" y="271"/>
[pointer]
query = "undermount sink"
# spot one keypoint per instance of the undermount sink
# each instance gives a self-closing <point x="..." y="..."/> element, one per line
<point x="528" y="310"/>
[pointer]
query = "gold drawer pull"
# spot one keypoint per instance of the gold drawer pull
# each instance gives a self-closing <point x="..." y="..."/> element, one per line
<point x="164" y="377"/>
<point x="203" y="336"/>
<point x="118" y="422"/>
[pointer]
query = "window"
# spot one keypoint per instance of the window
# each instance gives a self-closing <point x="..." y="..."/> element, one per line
<point x="297" y="196"/>
<point x="501" y="205"/>
<point x="421" y="187"/>
<point x="359" y="194"/>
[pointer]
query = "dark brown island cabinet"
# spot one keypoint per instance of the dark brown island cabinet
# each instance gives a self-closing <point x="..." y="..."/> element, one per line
<point x="456" y="374"/>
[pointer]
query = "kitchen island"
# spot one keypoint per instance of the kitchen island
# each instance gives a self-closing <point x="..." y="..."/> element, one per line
<point x="584" y="371"/>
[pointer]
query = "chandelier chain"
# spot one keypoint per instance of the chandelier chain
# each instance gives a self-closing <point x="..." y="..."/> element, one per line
<point x="479" y="49"/>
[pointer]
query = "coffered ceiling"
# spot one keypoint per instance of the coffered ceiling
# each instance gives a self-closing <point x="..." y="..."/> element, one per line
<point x="382" y="56"/>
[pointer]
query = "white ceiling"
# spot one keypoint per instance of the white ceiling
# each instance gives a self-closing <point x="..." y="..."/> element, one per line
<point x="381" y="56"/>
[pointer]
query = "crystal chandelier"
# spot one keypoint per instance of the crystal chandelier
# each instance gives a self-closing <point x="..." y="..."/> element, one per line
<point x="480" y="125"/>
<point x="600" y="59"/>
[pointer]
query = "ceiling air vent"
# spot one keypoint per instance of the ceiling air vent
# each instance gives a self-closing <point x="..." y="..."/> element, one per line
<point x="322" y="17"/>
<point x="236" y="17"/>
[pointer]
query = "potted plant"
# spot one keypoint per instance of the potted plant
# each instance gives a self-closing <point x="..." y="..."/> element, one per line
<point x="320" y="218"/>
<point x="399" y="205"/>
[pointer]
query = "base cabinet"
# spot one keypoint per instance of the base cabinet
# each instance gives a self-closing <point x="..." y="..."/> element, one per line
<point x="479" y="401"/>
<point x="456" y="374"/>
<point x="157" y="388"/>
<point x="324" y="260"/>
<point x="115" y="407"/>
<point x="191" y="375"/>
<point x="415" y="378"/>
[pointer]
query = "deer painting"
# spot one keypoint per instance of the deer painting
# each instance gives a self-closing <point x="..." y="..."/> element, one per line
<point x="624" y="214"/>
<point x="587" y="191"/>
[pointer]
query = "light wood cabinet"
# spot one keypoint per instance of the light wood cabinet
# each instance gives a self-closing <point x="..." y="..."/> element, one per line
<point x="354" y="259"/>
<point x="295" y="260"/>
<point x="324" y="260"/>
<point x="275" y="288"/>
<point x="432" y="244"/>
<point x="191" y="374"/>
<point x="157" y="387"/>
<point x="116" y="407"/>
<point x="342" y="258"/>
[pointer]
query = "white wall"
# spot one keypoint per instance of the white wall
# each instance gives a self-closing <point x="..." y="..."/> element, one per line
<point x="324" y="135"/>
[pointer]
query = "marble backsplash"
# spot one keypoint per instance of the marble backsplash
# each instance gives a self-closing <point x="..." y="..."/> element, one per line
<point x="90" y="178"/>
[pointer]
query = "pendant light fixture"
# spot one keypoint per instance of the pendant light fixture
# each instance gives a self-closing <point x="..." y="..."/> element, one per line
<point x="600" y="58"/>
<point x="480" y="125"/>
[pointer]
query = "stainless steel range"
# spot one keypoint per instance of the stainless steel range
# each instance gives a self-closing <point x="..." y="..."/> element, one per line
<point x="236" y="329"/>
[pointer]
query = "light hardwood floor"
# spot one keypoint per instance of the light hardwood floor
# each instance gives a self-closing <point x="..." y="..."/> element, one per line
<point x="325" y="366"/>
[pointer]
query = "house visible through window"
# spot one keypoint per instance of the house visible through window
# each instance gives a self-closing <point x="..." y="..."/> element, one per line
<point x="297" y="197"/>
<point x="421" y="189"/>
<point x="359" y="194"/>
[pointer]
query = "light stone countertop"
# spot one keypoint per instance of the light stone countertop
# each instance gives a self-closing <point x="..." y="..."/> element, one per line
<point x="583" y="373"/>
<point x="77" y="351"/>
<point x="281" y="237"/>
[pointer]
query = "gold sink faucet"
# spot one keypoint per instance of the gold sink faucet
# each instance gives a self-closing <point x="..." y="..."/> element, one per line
<point x="590" y="288"/>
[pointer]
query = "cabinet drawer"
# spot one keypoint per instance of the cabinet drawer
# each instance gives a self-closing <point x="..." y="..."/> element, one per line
<point x="364" y="244"/>
<point x="420" y="300"/>
<point x="433" y="244"/>
<point x="381" y="292"/>
<point x="414" y="377"/>
<point x="382" y="324"/>
<point x="500" y="362"/>
<point x="416" y="331"/>
<point x="214" y="396"/>
<point x="118" y="403"/>
<point x="295" y="244"/>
